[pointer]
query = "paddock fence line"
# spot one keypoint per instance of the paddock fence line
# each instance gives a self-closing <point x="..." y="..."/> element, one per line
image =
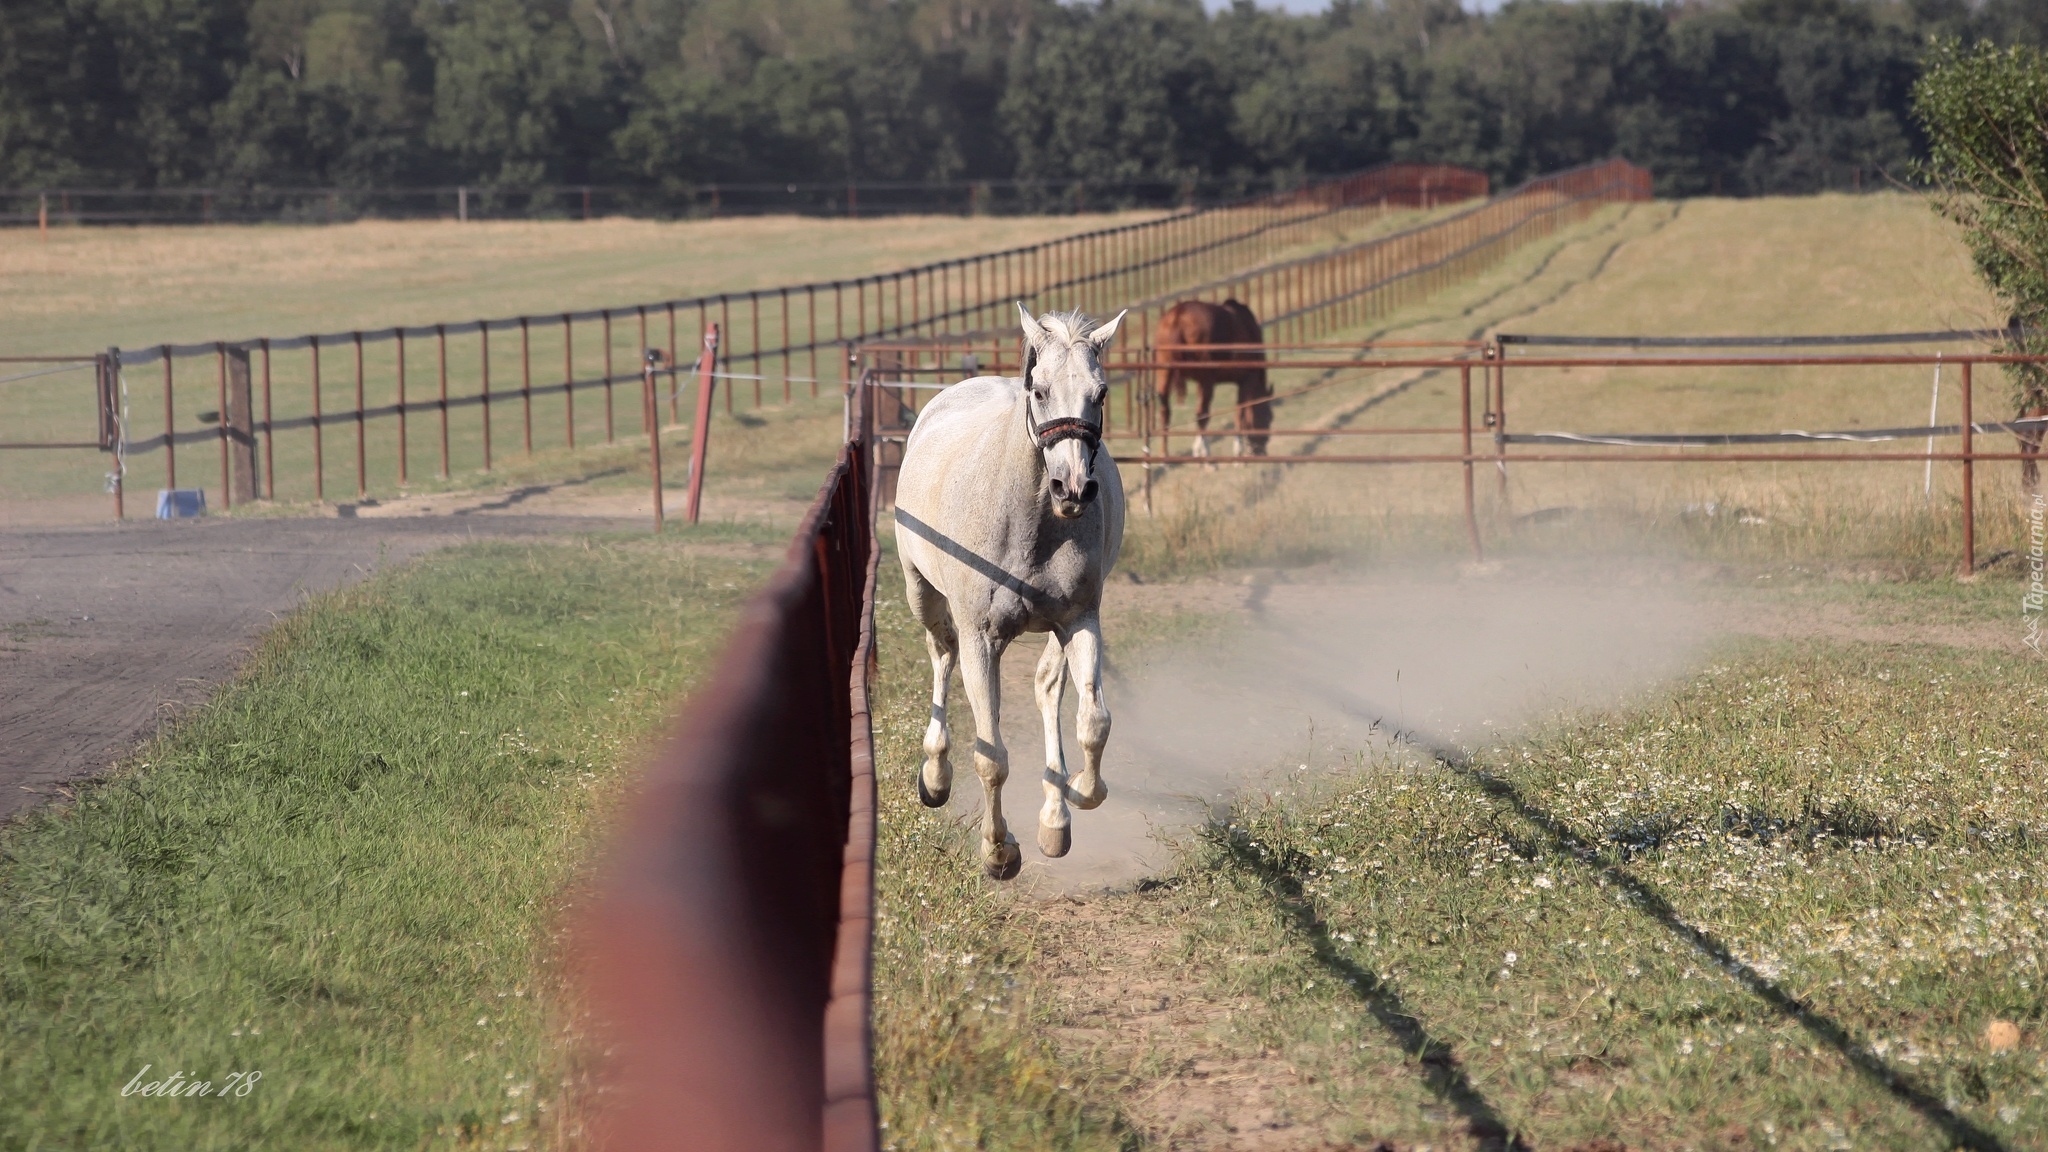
<point x="460" y="378"/>
<point x="907" y="375"/>
<point x="729" y="947"/>
<point x="59" y="205"/>
<point x="1297" y="300"/>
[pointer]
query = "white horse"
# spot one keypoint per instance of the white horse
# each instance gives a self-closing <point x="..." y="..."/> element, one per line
<point x="1009" y="517"/>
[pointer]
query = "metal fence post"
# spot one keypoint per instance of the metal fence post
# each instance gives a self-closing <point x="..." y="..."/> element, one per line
<point x="220" y="425"/>
<point x="569" y="379"/>
<point x="1969" y="480"/>
<point x="650" y="410"/>
<point x="404" y="443"/>
<point x="526" y="381"/>
<point x="170" y="425"/>
<point x="483" y="329"/>
<point x="1465" y="412"/>
<point x="441" y="355"/>
<point x="700" y="435"/>
<point x="362" y="455"/>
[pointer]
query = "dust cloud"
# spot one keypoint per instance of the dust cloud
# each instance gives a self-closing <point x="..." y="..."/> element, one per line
<point x="1308" y="668"/>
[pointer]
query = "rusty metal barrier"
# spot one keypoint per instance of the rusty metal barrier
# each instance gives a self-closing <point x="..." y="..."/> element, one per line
<point x="461" y="378"/>
<point x="729" y="949"/>
<point x="901" y="370"/>
<point x="108" y="406"/>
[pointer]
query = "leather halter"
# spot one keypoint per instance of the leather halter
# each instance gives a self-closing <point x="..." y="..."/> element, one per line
<point x="1067" y="428"/>
<point x="1059" y="428"/>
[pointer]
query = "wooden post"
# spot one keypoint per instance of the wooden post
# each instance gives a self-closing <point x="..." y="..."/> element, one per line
<point x="650" y="412"/>
<point x="43" y="214"/>
<point x="700" y="434"/>
<point x="1969" y="482"/>
<point x="569" y="376"/>
<point x="404" y="444"/>
<point x="240" y="424"/>
<point x="220" y="423"/>
<point x="362" y="429"/>
<point x="170" y="426"/>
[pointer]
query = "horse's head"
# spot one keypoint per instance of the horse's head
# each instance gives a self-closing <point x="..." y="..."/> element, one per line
<point x="1064" y="390"/>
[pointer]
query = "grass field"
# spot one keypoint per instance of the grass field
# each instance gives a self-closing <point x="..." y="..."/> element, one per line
<point x="347" y="872"/>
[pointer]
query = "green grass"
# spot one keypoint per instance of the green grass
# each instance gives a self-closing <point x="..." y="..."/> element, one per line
<point x="1776" y="906"/>
<point x="347" y="871"/>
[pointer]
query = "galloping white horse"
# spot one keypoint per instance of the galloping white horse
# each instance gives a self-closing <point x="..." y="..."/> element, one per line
<point x="1009" y="517"/>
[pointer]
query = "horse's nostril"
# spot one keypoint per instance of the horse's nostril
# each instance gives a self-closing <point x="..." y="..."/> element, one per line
<point x="1059" y="489"/>
<point x="1088" y="492"/>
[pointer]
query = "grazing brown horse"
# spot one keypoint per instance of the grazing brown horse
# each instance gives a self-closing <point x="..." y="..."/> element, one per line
<point x="1184" y="332"/>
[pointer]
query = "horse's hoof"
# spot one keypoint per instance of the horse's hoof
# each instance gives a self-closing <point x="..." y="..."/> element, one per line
<point x="929" y="798"/>
<point x="1054" y="842"/>
<point x="1003" y="863"/>
<point x="1090" y="799"/>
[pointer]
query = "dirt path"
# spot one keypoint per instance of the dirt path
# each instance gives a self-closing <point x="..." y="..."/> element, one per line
<point x="107" y="632"/>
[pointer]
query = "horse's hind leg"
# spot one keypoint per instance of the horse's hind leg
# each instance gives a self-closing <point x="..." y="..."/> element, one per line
<point x="1084" y="659"/>
<point x="935" y="779"/>
<point x="1055" y="834"/>
<point x="981" y="675"/>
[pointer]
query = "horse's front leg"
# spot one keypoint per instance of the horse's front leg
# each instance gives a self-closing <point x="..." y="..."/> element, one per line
<point x="935" y="779"/>
<point x="1055" y="823"/>
<point x="1084" y="660"/>
<point x="981" y="658"/>
<point x="1207" y="391"/>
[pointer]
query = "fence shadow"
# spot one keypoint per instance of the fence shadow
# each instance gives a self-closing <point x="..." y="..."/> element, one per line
<point x="1442" y="1072"/>
<point x="1561" y="841"/>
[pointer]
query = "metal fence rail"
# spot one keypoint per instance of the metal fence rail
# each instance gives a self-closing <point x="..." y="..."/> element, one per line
<point x="328" y="205"/>
<point x="729" y="949"/>
<point x="461" y="377"/>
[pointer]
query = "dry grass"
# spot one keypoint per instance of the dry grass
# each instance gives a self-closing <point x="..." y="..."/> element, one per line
<point x="87" y="288"/>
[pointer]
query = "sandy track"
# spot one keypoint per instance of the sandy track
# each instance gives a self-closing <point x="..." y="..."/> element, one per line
<point x="107" y="632"/>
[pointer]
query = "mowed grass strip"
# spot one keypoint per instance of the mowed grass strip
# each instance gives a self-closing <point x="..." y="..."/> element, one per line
<point x="1784" y="905"/>
<point x="347" y="872"/>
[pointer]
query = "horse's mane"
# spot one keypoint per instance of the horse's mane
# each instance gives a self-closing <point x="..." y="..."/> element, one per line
<point x="1071" y="325"/>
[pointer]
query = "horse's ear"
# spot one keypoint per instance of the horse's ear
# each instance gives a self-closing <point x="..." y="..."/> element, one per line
<point x="1103" y="335"/>
<point x="1033" y="330"/>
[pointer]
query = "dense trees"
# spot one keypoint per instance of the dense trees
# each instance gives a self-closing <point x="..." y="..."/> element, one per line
<point x="1736" y="95"/>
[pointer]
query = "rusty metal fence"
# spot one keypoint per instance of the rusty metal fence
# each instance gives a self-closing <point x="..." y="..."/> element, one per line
<point x="1297" y="301"/>
<point x="367" y="411"/>
<point x="729" y="949"/>
<point x="62" y="206"/>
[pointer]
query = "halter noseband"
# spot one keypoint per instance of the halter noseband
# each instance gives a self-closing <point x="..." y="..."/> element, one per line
<point x="1067" y="428"/>
<point x="1059" y="428"/>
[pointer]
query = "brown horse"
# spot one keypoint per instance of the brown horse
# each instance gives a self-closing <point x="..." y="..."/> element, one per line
<point x="1185" y="333"/>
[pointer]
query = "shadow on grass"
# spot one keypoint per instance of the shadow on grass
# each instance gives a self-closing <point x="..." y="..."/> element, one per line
<point x="1442" y="1072"/>
<point x="1565" y="843"/>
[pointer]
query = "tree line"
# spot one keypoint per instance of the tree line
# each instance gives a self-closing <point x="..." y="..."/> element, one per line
<point x="1730" y="96"/>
